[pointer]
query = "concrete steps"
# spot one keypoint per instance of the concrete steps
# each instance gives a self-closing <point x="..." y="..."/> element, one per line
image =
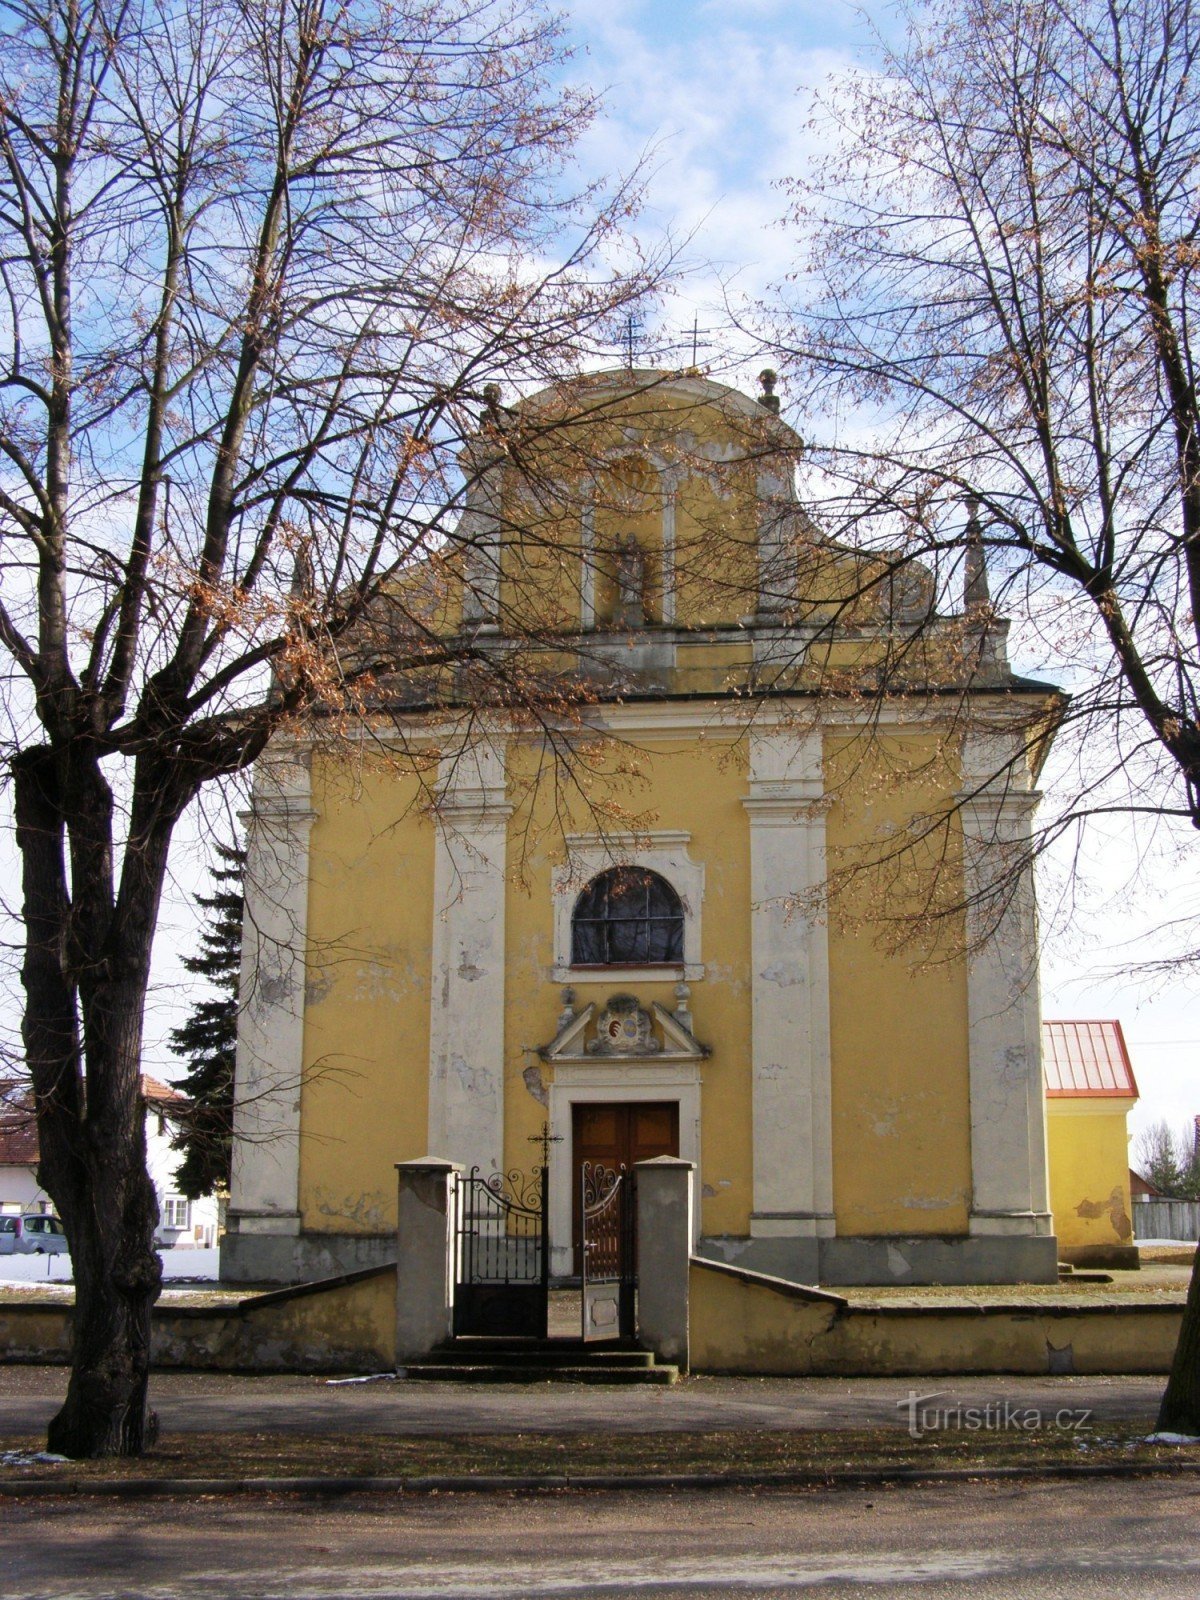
<point x="535" y="1361"/>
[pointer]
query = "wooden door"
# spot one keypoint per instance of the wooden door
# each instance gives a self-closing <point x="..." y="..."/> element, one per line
<point x="618" y="1135"/>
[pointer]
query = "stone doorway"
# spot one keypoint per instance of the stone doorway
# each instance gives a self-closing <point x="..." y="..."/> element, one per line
<point x="618" y="1134"/>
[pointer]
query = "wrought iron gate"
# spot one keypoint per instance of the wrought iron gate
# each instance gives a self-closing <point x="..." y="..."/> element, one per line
<point x="502" y="1254"/>
<point x="608" y="1279"/>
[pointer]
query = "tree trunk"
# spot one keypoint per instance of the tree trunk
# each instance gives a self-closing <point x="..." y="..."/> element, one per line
<point x="91" y="1125"/>
<point x="117" y="1280"/>
<point x="1180" y="1409"/>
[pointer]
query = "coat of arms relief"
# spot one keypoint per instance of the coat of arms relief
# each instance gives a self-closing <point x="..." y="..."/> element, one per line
<point x="624" y="1029"/>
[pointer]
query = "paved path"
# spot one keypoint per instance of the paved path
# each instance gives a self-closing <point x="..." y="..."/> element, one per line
<point x="216" y="1403"/>
<point x="970" y="1541"/>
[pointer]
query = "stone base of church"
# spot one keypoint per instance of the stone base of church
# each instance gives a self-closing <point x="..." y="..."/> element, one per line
<point x="1102" y="1257"/>
<point x="306" y="1257"/>
<point x="301" y="1258"/>
<point x="924" y="1259"/>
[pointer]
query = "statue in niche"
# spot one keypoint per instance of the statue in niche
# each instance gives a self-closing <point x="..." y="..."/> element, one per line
<point x="631" y="583"/>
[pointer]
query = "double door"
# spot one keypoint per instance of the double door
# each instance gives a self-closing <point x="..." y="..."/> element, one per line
<point x="618" y="1135"/>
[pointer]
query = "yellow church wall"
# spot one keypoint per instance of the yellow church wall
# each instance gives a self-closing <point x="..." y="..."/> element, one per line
<point x="696" y="788"/>
<point x="745" y="1322"/>
<point x="901" y="1125"/>
<point x="1089" y="1176"/>
<point x="364" y="1099"/>
<point x="898" y="1018"/>
<point x="611" y="471"/>
<point x="716" y="560"/>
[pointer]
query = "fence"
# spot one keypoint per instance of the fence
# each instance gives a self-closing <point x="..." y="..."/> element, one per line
<point x="1167" y="1219"/>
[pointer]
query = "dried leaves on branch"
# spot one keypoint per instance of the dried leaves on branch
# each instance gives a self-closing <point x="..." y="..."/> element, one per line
<point x="993" y="328"/>
<point x="260" y="260"/>
<point x="995" y="306"/>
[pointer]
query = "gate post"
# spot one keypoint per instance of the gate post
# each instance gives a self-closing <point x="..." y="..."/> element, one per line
<point x="664" y="1245"/>
<point x="424" y="1256"/>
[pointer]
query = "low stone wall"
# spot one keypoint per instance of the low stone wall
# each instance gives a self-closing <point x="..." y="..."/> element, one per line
<point x="747" y="1323"/>
<point x="741" y="1322"/>
<point x="341" y="1324"/>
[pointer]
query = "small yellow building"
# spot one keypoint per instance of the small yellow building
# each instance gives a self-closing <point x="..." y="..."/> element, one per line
<point x="673" y="940"/>
<point x="1090" y="1091"/>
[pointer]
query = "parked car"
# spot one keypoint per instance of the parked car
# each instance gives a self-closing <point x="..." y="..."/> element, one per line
<point x="33" y="1235"/>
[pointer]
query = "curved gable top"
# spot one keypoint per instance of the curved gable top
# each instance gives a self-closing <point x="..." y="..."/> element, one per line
<point x="669" y="388"/>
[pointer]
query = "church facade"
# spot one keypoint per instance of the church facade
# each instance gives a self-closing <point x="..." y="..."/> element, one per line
<point x="655" y="924"/>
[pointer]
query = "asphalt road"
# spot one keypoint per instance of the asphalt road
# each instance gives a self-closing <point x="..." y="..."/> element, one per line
<point x="1105" y="1540"/>
<point x="217" y="1403"/>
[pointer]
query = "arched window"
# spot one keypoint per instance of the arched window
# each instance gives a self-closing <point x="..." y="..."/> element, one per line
<point x="627" y="917"/>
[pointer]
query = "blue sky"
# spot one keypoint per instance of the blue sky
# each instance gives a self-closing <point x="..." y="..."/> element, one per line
<point x="719" y="89"/>
<point x="713" y="89"/>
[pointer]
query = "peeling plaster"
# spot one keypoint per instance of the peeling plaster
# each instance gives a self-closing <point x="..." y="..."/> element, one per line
<point x="474" y="1080"/>
<point x="932" y="1202"/>
<point x="898" y="1262"/>
<point x="787" y="974"/>
<point x="317" y="988"/>
<point x="376" y="980"/>
<point x="536" y="1084"/>
<point x="1114" y="1207"/>
<point x="367" y="1211"/>
<point x="273" y="989"/>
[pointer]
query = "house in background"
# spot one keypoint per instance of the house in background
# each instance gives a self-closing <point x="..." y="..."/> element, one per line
<point x="19" y="1190"/>
<point x="182" y="1224"/>
<point x="1090" y="1091"/>
<point x="452" y="955"/>
<point x="1140" y="1188"/>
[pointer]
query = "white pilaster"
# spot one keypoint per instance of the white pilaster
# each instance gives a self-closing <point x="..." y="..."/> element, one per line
<point x="790" y="1067"/>
<point x="670" y="489"/>
<point x="466" y="1024"/>
<point x="480" y="533"/>
<point x="587" y="557"/>
<point x="265" y="1182"/>
<point x="1008" y="1116"/>
<point x="776" y="564"/>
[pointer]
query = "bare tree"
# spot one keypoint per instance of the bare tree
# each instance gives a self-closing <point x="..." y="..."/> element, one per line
<point x="1169" y="1160"/>
<point x="261" y="260"/>
<point x="995" y="307"/>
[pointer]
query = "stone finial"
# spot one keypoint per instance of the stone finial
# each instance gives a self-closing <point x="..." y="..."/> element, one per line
<point x="976" y="596"/>
<point x="567" y="1015"/>
<point x="768" y="399"/>
<point x="683" y="1011"/>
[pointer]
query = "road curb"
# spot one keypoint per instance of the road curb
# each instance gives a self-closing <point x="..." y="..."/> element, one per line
<point x="640" y="1482"/>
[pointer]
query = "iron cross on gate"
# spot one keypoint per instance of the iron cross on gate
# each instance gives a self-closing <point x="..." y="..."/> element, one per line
<point x="545" y="1139"/>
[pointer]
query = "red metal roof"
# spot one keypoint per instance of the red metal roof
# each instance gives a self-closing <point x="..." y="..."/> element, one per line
<point x="1086" y="1058"/>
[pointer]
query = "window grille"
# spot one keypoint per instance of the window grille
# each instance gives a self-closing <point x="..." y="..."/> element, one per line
<point x="627" y="917"/>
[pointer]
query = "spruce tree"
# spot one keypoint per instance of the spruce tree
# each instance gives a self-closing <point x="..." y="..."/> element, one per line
<point x="207" y="1040"/>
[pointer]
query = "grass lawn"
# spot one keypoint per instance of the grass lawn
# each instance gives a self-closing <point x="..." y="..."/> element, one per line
<point x="266" y="1455"/>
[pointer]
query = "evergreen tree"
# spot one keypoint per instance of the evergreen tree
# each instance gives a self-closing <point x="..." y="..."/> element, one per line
<point x="1170" y="1161"/>
<point x="207" y="1040"/>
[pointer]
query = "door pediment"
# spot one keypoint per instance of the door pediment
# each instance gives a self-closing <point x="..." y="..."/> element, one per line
<point x="622" y="1030"/>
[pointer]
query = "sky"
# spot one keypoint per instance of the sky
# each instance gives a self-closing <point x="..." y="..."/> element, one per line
<point x="713" y="95"/>
<point x="718" y="91"/>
